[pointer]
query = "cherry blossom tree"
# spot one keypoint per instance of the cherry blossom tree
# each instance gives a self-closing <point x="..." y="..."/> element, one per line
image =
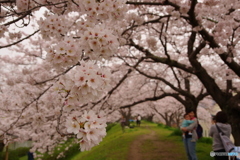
<point x="60" y="53"/>
<point x="153" y="83"/>
<point x="192" y="36"/>
<point x="170" y="110"/>
<point x="55" y="67"/>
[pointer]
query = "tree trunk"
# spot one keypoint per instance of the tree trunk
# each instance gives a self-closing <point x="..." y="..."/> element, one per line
<point x="1" y="145"/>
<point x="168" y="123"/>
<point x="235" y="123"/>
<point x="190" y="103"/>
<point x="149" y="118"/>
<point x="167" y="119"/>
<point x="191" y="106"/>
<point x="233" y="111"/>
<point x="6" y="153"/>
<point x="126" y="114"/>
<point x="178" y="117"/>
<point x="225" y="99"/>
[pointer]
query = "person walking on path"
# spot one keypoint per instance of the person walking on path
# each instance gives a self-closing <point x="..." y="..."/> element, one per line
<point x="190" y="139"/>
<point x="221" y="121"/>
<point x="138" y="120"/>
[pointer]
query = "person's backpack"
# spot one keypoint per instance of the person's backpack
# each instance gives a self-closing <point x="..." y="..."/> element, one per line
<point x="227" y="143"/>
<point x="199" y="131"/>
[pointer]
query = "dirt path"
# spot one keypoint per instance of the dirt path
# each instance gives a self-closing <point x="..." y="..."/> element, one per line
<point x="152" y="147"/>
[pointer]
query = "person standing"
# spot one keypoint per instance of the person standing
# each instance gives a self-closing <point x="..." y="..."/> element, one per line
<point x="30" y="156"/>
<point x="123" y="123"/>
<point x="221" y="121"/>
<point x="186" y="122"/>
<point x="138" y="120"/>
<point x="190" y="137"/>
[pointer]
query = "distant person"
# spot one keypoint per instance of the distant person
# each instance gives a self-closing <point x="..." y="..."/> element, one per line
<point x="123" y="123"/>
<point x="30" y="156"/>
<point x="190" y="137"/>
<point x="221" y="121"/>
<point x="186" y="122"/>
<point x="138" y="120"/>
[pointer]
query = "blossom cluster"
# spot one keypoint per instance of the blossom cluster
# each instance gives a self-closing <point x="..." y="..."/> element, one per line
<point x="64" y="53"/>
<point x="53" y="26"/>
<point x="107" y="9"/>
<point x="84" y="83"/>
<point x="24" y="5"/>
<point x="3" y="29"/>
<point x="99" y="42"/>
<point x="90" y="128"/>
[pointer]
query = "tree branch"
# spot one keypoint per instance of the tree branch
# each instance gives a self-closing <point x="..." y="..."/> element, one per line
<point x="160" y="59"/>
<point x="9" y="45"/>
<point x="155" y="98"/>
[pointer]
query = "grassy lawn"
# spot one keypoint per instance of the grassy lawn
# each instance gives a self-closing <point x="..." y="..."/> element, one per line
<point x="203" y="149"/>
<point x="23" y="158"/>
<point x="115" y="145"/>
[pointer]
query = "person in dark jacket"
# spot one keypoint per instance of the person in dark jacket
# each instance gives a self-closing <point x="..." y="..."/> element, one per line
<point x="30" y="156"/>
<point x="221" y="121"/>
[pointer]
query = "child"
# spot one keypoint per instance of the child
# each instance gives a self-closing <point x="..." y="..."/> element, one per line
<point x="186" y="122"/>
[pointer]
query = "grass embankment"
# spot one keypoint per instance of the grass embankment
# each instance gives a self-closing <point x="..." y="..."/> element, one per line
<point x="116" y="145"/>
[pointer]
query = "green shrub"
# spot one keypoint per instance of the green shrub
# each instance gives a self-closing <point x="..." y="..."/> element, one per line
<point x="160" y="125"/>
<point x="169" y="128"/>
<point x="205" y="140"/>
<point x="22" y="151"/>
<point x="166" y="127"/>
<point x="12" y="155"/>
<point x="72" y="151"/>
<point x="176" y="132"/>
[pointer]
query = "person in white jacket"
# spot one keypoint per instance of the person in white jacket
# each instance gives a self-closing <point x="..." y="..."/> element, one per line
<point x="138" y="120"/>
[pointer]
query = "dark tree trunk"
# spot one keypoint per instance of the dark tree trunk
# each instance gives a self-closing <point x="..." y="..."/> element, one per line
<point x="168" y="122"/>
<point x="178" y="117"/>
<point x="126" y="113"/>
<point x="149" y="118"/>
<point x="235" y="123"/>
<point x="233" y="110"/>
<point x="1" y="145"/>
<point x="190" y="103"/>
<point x="225" y="99"/>
<point x="168" y="119"/>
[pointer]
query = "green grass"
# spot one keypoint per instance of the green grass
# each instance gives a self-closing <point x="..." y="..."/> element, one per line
<point x="203" y="145"/>
<point x="15" y="154"/>
<point x="73" y="149"/>
<point x="23" y="158"/>
<point x="115" y="145"/>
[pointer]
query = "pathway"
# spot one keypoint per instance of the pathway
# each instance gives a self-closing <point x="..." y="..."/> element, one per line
<point x="152" y="147"/>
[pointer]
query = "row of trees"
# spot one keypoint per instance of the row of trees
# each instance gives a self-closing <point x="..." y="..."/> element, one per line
<point x="186" y="50"/>
<point x="192" y="49"/>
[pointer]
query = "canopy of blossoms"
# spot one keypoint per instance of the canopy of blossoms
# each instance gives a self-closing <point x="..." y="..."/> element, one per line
<point x="57" y="65"/>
